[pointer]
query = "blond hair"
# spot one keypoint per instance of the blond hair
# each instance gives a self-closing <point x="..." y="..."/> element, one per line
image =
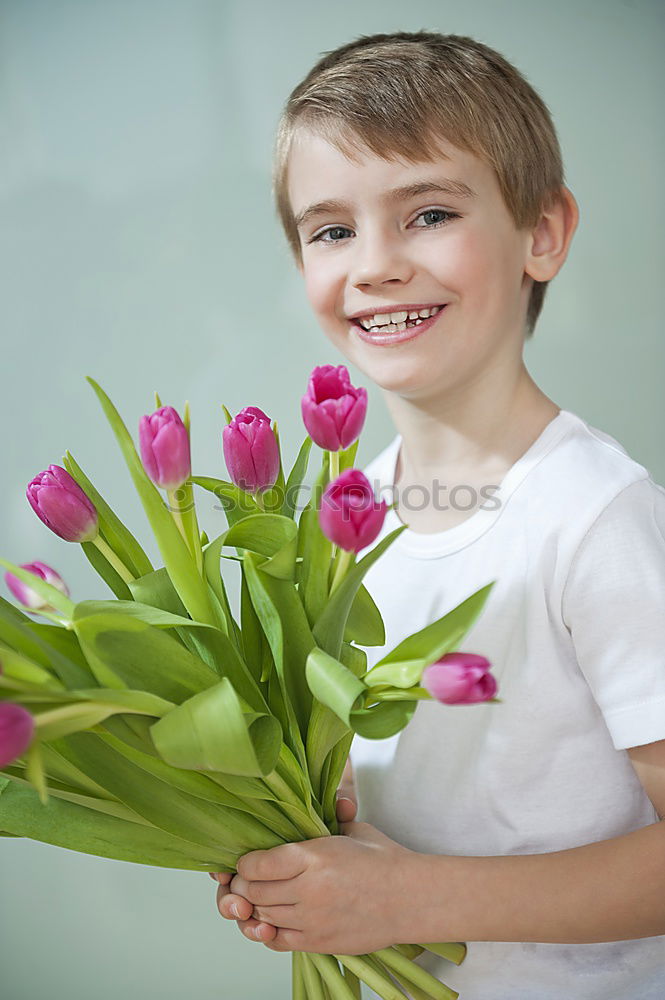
<point x="394" y="94"/>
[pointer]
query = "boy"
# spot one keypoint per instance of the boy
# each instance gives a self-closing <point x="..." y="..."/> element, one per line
<point x="420" y="175"/>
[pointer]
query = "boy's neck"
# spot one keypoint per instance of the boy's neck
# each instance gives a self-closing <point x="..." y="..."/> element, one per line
<point x="484" y="433"/>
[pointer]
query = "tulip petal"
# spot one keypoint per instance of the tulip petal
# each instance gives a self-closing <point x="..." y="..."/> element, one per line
<point x="64" y="515"/>
<point x="350" y="515"/>
<point x="16" y="729"/>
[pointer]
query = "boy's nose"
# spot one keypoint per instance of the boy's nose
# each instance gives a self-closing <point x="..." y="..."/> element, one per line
<point x="379" y="261"/>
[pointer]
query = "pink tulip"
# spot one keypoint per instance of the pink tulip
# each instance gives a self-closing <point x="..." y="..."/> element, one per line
<point x="16" y="729"/>
<point x="62" y="505"/>
<point x="350" y="515"/>
<point x="333" y="410"/>
<point x="164" y="445"/>
<point x="460" y="679"/>
<point x="29" y="597"/>
<point x="251" y="451"/>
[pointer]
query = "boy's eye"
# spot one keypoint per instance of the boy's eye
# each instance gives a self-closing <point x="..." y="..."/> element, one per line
<point x="426" y="212"/>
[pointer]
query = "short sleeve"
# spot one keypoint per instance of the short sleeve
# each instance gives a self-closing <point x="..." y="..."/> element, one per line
<point x="613" y="604"/>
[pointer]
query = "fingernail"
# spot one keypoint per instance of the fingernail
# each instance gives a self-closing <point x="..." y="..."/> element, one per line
<point x="234" y="910"/>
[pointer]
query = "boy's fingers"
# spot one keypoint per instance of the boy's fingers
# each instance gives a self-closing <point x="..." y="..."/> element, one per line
<point x="222" y="877"/>
<point x="346" y="809"/>
<point x="227" y="900"/>
<point x="255" y="930"/>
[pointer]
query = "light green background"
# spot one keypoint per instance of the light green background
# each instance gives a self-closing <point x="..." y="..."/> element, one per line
<point x="139" y="245"/>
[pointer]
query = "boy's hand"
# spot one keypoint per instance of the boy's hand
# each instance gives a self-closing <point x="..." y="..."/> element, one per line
<point x="259" y="930"/>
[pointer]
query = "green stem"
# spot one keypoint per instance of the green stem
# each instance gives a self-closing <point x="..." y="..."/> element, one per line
<point x="344" y="559"/>
<point x="174" y="508"/>
<point x="191" y="525"/>
<point x="313" y="984"/>
<point x="259" y="500"/>
<point x="334" y="465"/>
<point x="298" y="990"/>
<point x="353" y="982"/>
<point x="377" y="981"/>
<point x="329" y="971"/>
<point x="395" y="961"/>
<point x="113" y="559"/>
<point x="58" y="619"/>
<point x="316" y="827"/>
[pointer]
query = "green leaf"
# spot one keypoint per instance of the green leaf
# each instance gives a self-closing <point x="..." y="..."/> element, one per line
<point x="212" y="788"/>
<point x="336" y="686"/>
<point x="213" y="574"/>
<point x="296" y="477"/>
<point x="175" y="812"/>
<point x="21" y="668"/>
<point x="103" y="568"/>
<point x="34" y="771"/>
<point x="134" y="609"/>
<point x="28" y="638"/>
<point x="348" y="456"/>
<point x="113" y="531"/>
<point x="217" y="650"/>
<point x="316" y="552"/>
<point x="283" y="619"/>
<point x="335" y="765"/>
<point x="92" y="707"/>
<point x="235" y="502"/>
<point x="66" y="824"/>
<point x="157" y="590"/>
<point x="126" y="652"/>
<point x="216" y="730"/>
<point x="269" y="535"/>
<point x="330" y="627"/>
<point x="253" y="640"/>
<point x="364" y="624"/>
<point x="65" y="642"/>
<point x="177" y="558"/>
<point x="403" y="666"/>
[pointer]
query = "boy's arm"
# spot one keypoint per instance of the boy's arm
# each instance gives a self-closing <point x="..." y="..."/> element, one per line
<point x="613" y="890"/>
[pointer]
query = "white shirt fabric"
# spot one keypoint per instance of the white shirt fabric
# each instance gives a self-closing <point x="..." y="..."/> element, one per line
<point x="574" y="628"/>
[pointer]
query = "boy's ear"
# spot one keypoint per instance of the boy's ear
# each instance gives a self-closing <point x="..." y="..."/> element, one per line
<point x="550" y="240"/>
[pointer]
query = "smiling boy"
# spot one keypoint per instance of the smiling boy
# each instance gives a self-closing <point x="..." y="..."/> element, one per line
<point x="418" y="176"/>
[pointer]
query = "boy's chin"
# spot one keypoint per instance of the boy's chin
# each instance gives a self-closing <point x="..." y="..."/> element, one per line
<point x="396" y="375"/>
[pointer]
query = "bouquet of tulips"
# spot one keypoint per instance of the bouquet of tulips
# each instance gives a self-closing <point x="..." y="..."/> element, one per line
<point x="154" y="727"/>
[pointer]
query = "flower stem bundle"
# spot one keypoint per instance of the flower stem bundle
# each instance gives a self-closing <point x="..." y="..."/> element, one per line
<point x="156" y="727"/>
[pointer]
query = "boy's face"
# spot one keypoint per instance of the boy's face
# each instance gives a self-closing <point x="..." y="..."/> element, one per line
<point x="430" y="248"/>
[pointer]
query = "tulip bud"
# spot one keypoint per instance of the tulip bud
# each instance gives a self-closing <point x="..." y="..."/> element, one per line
<point x="16" y="729"/>
<point x="29" y="597"/>
<point x="62" y="505"/>
<point x="350" y="515"/>
<point x="460" y="679"/>
<point x="165" y="450"/>
<point x="251" y="451"/>
<point x="333" y="411"/>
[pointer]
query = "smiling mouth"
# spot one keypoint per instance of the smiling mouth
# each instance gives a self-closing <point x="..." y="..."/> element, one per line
<point x="396" y="322"/>
<point x="396" y="334"/>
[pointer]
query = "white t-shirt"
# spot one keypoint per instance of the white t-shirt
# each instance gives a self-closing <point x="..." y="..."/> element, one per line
<point x="574" y="628"/>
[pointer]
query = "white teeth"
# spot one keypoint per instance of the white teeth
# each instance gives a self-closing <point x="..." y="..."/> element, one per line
<point x="390" y="321"/>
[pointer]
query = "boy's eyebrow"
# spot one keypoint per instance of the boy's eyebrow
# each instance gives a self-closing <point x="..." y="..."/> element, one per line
<point x="443" y="186"/>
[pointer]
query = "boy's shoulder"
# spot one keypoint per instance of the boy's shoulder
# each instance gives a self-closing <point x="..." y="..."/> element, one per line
<point x="590" y="464"/>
